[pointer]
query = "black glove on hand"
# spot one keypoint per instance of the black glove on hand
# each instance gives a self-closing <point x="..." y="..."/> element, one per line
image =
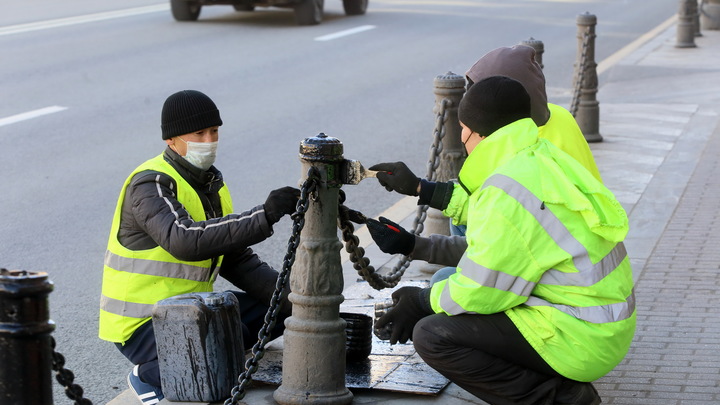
<point x="397" y="177"/>
<point x="281" y="202"/>
<point x="411" y="305"/>
<point x="390" y="237"/>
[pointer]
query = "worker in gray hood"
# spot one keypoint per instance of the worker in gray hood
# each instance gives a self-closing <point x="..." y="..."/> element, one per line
<point x="554" y="122"/>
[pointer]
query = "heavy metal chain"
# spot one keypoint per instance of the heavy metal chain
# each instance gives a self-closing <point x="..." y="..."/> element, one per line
<point x="66" y="377"/>
<point x="575" y="104"/>
<point x="357" y="254"/>
<point x="308" y="189"/>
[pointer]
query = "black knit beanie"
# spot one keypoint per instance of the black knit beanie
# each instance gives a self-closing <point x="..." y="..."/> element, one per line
<point x="188" y="111"/>
<point x="492" y="103"/>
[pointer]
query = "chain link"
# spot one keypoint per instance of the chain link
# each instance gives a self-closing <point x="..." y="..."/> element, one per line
<point x="575" y="104"/>
<point x="357" y="254"/>
<point x="66" y="377"/>
<point x="307" y="191"/>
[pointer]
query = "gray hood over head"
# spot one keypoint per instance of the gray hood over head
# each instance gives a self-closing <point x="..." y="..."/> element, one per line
<point x="516" y="63"/>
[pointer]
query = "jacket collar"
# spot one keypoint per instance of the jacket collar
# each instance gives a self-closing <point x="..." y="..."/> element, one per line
<point x="494" y="151"/>
<point x="208" y="181"/>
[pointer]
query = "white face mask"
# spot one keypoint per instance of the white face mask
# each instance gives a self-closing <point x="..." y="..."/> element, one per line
<point x="200" y="154"/>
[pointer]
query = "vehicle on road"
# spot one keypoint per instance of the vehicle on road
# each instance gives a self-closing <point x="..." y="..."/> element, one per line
<point x="307" y="12"/>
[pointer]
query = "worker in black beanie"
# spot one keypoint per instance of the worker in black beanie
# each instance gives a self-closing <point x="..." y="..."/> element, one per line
<point x="187" y="111"/>
<point x="520" y="292"/>
<point x="492" y="103"/>
<point x="174" y="230"/>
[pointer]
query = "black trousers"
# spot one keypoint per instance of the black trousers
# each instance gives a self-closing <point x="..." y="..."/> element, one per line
<point x="487" y="356"/>
<point x="141" y="350"/>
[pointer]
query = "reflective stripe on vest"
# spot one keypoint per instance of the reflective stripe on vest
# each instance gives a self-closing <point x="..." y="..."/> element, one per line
<point x="123" y="308"/>
<point x="157" y="268"/>
<point x="595" y="314"/>
<point x="588" y="273"/>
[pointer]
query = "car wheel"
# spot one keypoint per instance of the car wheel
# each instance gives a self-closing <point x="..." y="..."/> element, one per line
<point x="309" y="12"/>
<point x="355" y="7"/>
<point x="183" y="10"/>
<point x="244" y="7"/>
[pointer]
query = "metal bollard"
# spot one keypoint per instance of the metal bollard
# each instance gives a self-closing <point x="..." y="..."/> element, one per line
<point x="710" y="15"/>
<point x="587" y="112"/>
<point x="314" y="338"/>
<point x="539" y="48"/>
<point x="25" y="348"/>
<point x="447" y="161"/>
<point x="686" y="24"/>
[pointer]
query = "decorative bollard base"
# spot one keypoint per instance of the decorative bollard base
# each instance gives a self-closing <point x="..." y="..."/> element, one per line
<point x="395" y="368"/>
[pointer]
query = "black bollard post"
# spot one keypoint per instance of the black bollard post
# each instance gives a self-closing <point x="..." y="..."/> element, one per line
<point x="25" y="348"/>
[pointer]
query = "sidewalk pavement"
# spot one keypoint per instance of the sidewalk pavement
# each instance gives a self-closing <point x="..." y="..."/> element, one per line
<point x="659" y="115"/>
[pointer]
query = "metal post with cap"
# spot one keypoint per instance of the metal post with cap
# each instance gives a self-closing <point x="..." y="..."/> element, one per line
<point x="539" y="48"/>
<point x="588" y="108"/>
<point x="448" y="154"/>
<point x="685" y="32"/>
<point x="314" y="338"/>
<point x="25" y="341"/>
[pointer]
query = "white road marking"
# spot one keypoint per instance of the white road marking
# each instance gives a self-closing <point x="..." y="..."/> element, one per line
<point x="344" y="33"/>
<point x="30" y="115"/>
<point x="62" y="22"/>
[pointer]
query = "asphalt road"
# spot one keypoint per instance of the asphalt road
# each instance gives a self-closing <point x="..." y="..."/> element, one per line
<point x="93" y="77"/>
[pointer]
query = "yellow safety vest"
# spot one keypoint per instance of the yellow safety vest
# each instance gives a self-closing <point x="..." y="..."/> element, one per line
<point x="134" y="280"/>
<point x="545" y="247"/>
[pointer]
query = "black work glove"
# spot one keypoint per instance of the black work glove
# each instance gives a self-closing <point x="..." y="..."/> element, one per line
<point x="390" y="237"/>
<point x="397" y="177"/>
<point x="411" y="305"/>
<point x="281" y="202"/>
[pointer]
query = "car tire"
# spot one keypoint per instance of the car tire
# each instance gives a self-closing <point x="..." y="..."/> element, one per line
<point x="355" y="7"/>
<point x="183" y="10"/>
<point x="309" y="12"/>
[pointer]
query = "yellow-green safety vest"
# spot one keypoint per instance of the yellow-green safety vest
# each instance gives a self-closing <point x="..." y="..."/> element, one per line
<point x="134" y="280"/>
<point x="544" y="246"/>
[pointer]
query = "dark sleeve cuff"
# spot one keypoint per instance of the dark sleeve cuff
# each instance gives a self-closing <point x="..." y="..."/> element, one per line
<point x="425" y="300"/>
<point x="436" y="195"/>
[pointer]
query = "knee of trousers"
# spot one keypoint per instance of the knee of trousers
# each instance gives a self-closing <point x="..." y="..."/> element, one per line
<point x="428" y="337"/>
